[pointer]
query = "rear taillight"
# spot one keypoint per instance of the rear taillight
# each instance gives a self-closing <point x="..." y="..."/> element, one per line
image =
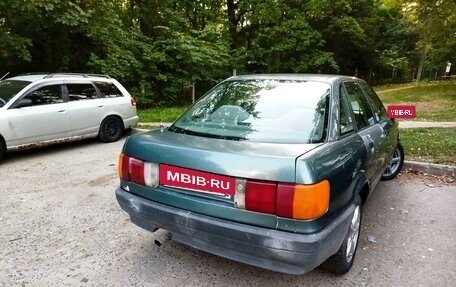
<point x="303" y="201"/>
<point x="138" y="171"/>
<point x="285" y="198"/>
<point x="133" y="102"/>
<point x="295" y="201"/>
<point x="123" y="166"/>
<point x="260" y="196"/>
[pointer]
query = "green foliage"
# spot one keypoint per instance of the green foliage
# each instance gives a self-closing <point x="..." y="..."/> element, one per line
<point x="158" y="48"/>
<point x="157" y="61"/>
<point x="285" y="42"/>
<point x="435" y="145"/>
<point x="394" y="44"/>
<point x="435" y="22"/>
<point x="340" y="24"/>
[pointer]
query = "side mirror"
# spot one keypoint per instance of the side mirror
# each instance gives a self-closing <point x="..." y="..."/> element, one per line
<point x="24" y="103"/>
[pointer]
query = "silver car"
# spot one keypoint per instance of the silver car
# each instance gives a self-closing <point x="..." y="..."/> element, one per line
<point x="41" y="109"/>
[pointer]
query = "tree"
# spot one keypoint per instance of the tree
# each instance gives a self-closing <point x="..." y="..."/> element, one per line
<point x="164" y="53"/>
<point x="13" y="46"/>
<point x="340" y="24"/>
<point x="436" y="24"/>
<point x="392" y="43"/>
<point x="283" y="40"/>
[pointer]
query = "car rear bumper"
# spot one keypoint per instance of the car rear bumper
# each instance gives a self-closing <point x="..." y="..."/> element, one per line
<point x="131" y="122"/>
<point x="275" y="250"/>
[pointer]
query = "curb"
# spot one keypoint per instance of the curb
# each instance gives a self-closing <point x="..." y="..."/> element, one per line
<point x="138" y="130"/>
<point x="431" y="168"/>
<point x="405" y="124"/>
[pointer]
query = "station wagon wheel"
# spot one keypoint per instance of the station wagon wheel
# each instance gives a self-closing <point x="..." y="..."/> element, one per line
<point x="342" y="261"/>
<point x="2" y="148"/>
<point x="111" y="129"/>
<point x="395" y="164"/>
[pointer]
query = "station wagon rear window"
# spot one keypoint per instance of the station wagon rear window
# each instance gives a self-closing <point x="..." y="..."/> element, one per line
<point x="108" y="90"/>
<point x="280" y="111"/>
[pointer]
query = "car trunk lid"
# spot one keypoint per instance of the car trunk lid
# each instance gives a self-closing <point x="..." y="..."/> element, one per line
<point x="239" y="159"/>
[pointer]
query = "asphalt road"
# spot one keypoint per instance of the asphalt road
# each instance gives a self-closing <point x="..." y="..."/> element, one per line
<point x="60" y="225"/>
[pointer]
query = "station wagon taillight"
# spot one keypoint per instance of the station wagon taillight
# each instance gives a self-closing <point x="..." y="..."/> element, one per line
<point x="133" y="102"/>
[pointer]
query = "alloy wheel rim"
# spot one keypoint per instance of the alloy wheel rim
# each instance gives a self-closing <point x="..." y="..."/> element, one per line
<point x="353" y="234"/>
<point x="111" y="129"/>
<point x="393" y="165"/>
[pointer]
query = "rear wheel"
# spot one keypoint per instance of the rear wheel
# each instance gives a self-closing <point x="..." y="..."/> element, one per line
<point x="2" y="148"/>
<point x="341" y="262"/>
<point x="395" y="164"/>
<point x="111" y="129"/>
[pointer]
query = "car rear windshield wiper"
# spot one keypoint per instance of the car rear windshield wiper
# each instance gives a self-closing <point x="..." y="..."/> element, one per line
<point x="180" y="130"/>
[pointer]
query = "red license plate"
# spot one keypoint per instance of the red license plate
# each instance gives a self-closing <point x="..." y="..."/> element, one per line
<point x="404" y="112"/>
<point x="196" y="180"/>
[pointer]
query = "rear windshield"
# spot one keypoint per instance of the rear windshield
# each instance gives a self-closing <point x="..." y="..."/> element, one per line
<point x="281" y="111"/>
<point x="9" y="88"/>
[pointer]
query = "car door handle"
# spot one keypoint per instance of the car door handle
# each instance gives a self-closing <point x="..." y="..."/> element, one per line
<point x="62" y="111"/>
<point x="370" y="144"/>
<point x="101" y="106"/>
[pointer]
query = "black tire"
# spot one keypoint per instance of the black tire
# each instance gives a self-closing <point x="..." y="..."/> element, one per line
<point x="341" y="262"/>
<point x="395" y="164"/>
<point x="2" y="148"/>
<point x="111" y="129"/>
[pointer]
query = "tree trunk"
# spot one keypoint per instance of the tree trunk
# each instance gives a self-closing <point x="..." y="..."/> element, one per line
<point x="232" y="22"/>
<point x="421" y="65"/>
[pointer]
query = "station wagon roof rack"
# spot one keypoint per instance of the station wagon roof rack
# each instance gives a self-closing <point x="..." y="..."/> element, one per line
<point x="84" y="75"/>
<point x="33" y="73"/>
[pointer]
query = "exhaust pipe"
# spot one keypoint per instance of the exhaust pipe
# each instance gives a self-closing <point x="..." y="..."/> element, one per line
<point x="161" y="236"/>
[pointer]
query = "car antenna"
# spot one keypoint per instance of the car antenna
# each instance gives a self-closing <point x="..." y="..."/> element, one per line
<point x="4" y="76"/>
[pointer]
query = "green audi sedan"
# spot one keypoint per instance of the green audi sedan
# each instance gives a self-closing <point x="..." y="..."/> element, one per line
<point x="267" y="170"/>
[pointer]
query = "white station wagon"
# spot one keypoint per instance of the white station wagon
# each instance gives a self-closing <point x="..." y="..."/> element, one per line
<point x="41" y="109"/>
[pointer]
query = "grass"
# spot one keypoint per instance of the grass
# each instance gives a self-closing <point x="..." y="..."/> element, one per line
<point x="388" y="87"/>
<point x="433" y="101"/>
<point x="160" y="115"/>
<point x="436" y="145"/>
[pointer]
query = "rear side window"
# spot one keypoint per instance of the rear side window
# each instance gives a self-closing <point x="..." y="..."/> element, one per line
<point x="108" y="90"/>
<point x="346" y="121"/>
<point x="376" y="103"/>
<point x="361" y="109"/>
<point x="78" y="92"/>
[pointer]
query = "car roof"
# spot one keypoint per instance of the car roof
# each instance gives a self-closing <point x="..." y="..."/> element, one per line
<point x="302" y="77"/>
<point x="33" y="77"/>
<point x="28" y="78"/>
